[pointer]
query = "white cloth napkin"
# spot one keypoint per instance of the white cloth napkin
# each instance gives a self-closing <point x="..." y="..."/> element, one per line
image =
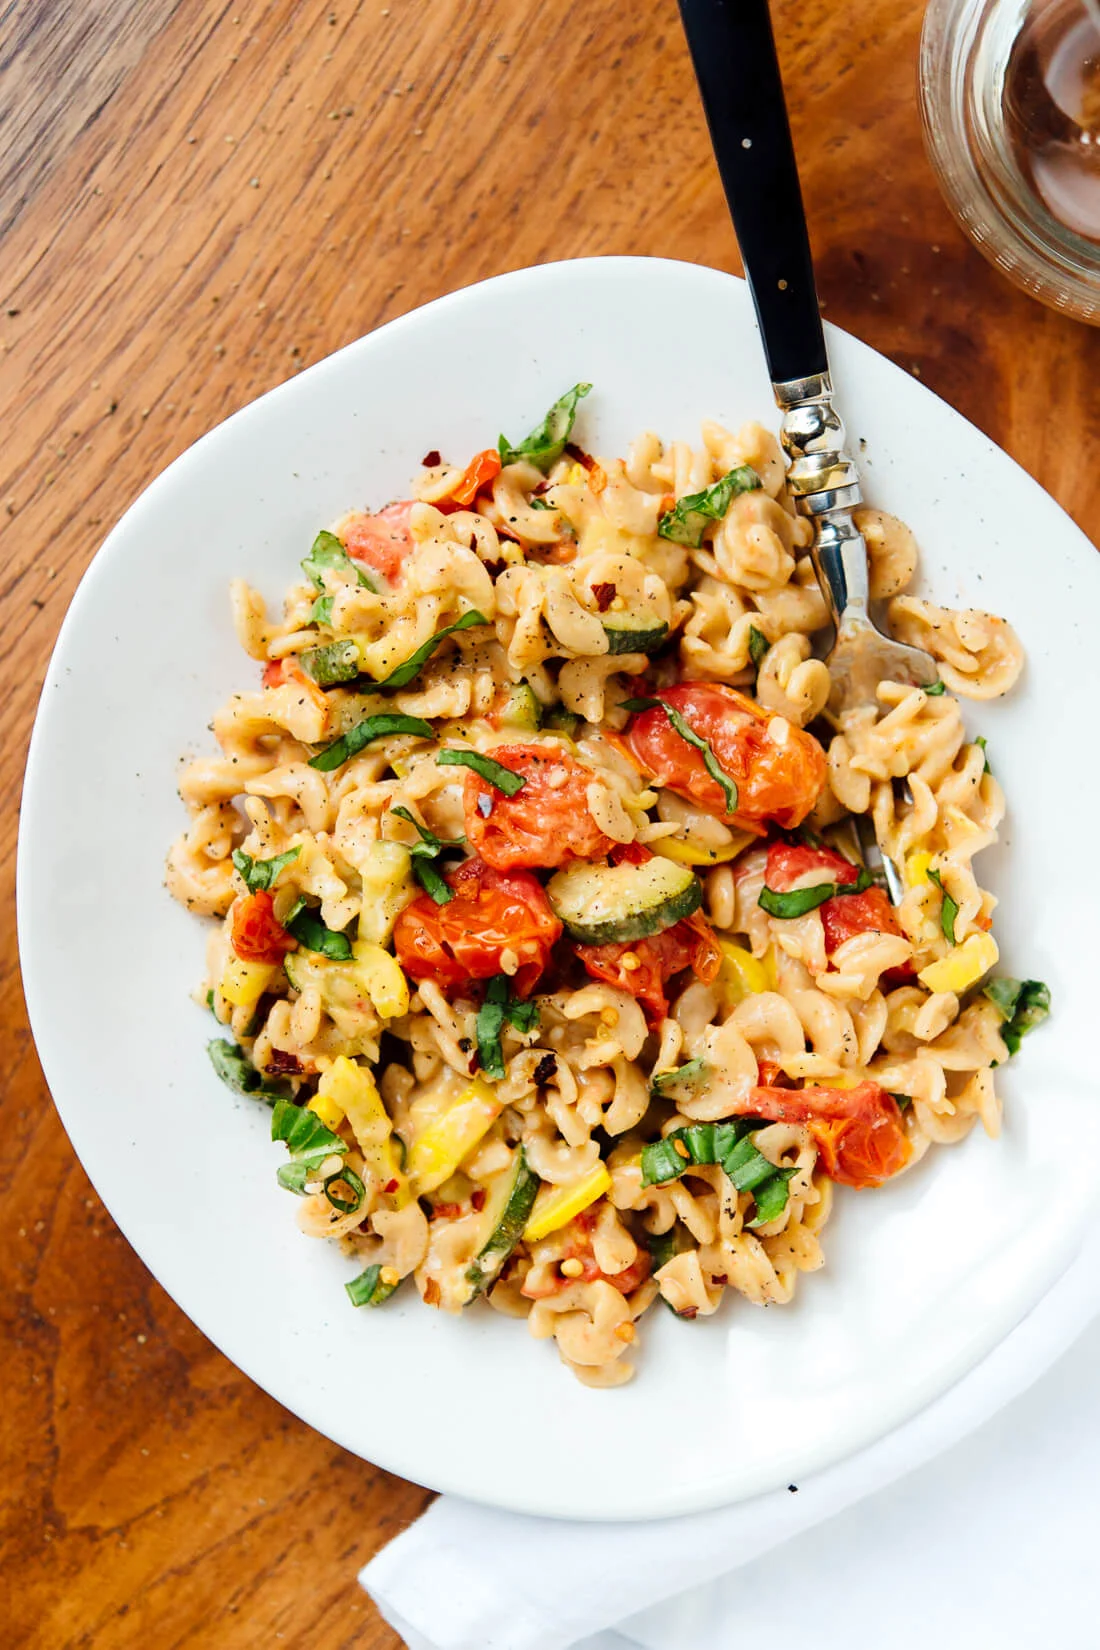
<point x="1019" y="1502"/>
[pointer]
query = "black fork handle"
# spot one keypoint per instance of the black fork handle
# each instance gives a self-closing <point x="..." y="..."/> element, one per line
<point x="733" y="50"/>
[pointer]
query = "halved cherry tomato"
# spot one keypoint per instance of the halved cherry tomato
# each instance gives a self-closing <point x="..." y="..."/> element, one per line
<point x="289" y="673"/>
<point x="774" y="781"/>
<point x="545" y="823"/>
<point x="643" y="967"/>
<point x="256" y="933"/>
<point x="492" y="911"/>
<point x="482" y="468"/>
<point x="845" y="915"/>
<point x="859" y="1133"/>
<point x="381" y="541"/>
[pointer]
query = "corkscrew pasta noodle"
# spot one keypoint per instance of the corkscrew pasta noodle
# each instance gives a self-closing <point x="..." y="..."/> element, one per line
<point x="537" y="911"/>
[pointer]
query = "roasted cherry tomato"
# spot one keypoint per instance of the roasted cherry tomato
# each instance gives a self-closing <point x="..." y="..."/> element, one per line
<point x="255" y="933"/>
<point x="545" y="823"/>
<point x="492" y="911"/>
<point x="845" y="915"/>
<point x="482" y="469"/>
<point x="645" y="967"/>
<point x="859" y="1133"/>
<point x="779" y="781"/>
<point x="382" y="541"/>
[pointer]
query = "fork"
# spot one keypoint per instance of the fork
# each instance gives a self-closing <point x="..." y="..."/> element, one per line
<point x="733" y="51"/>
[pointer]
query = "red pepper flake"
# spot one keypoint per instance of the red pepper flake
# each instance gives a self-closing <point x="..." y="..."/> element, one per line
<point x="477" y="1198"/>
<point x="283" y="1065"/>
<point x="689" y="1312"/>
<point x="431" y="1292"/>
<point x="430" y="460"/>
<point x="390" y="1187"/>
<point x="579" y="456"/>
<point x="546" y="1069"/>
<point x="604" y="594"/>
<point x="445" y="1211"/>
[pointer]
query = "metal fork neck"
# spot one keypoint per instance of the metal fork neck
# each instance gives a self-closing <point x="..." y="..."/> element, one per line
<point x="825" y="484"/>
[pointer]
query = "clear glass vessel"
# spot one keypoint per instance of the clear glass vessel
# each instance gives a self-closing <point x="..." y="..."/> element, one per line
<point x="1010" y="98"/>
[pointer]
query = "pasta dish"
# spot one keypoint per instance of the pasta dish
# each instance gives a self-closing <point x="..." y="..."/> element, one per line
<point x="542" y="925"/>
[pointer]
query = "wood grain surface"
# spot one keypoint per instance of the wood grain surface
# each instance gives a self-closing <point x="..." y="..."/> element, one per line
<point x="198" y="198"/>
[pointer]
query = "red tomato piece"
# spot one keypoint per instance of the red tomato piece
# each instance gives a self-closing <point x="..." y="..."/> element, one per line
<point x="289" y="673"/>
<point x="790" y="862"/>
<point x="845" y="915"/>
<point x="645" y="967"/>
<point x="256" y="933"/>
<point x="545" y="823"/>
<point x="859" y="1133"/>
<point x="381" y="541"/>
<point x="780" y="782"/>
<point x="482" y="469"/>
<point x="492" y="911"/>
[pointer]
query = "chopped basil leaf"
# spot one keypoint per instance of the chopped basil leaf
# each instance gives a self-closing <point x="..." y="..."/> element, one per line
<point x="798" y="901"/>
<point x="702" y="1143"/>
<point x="546" y="443"/>
<point x="239" y="1074"/>
<point x="980" y="742"/>
<point x="684" y="523"/>
<point x="334" y="662"/>
<point x="934" y="689"/>
<point x="770" y="1197"/>
<point x="403" y="675"/>
<point x="429" y="845"/>
<point x="368" y="1289"/>
<point x="424" y="853"/>
<point x="710" y="761"/>
<point x="292" y="1177"/>
<point x="494" y="773"/>
<point x="690" y="1073"/>
<point x="340" y="1200"/>
<point x="731" y="1146"/>
<point x="500" y="1005"/>
<point x="260" y="874"/>
<point x="308" y="1140"/>
<point x="363" y="733"/>
<point x="1023" y="1004"/>
<point x="540" y="504"/>
<point x="949" y="910"/>
<point x="298" y="905"/>
<point x="321" y="611"/>
<point x="327" y="551"/>
<point x="758" y="646"/>
<point x="310" y="931"/>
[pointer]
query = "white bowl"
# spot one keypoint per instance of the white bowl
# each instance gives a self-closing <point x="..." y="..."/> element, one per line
<point x="922" y="1278"/>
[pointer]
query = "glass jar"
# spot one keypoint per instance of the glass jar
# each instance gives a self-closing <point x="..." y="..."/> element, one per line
<point x="1010" y="100"/>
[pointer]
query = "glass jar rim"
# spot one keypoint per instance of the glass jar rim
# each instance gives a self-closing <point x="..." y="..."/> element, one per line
<point x="963" y="55"/>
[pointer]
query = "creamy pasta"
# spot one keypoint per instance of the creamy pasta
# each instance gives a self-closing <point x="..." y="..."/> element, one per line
<point x="539" y="916"/>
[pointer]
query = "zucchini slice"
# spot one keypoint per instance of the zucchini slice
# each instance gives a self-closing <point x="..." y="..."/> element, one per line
<point x="521" y="708"/>
<point x="506" y="1212"/>
<point x="605" y="904"/>
<point x="638" y="635"/>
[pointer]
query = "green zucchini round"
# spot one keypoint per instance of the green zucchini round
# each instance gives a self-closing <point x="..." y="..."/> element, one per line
<point x="637" y="638"/>
<point x="609" y="904"/>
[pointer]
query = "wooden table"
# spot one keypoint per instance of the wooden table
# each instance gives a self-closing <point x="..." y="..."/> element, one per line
<point x="197" y="200"/>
